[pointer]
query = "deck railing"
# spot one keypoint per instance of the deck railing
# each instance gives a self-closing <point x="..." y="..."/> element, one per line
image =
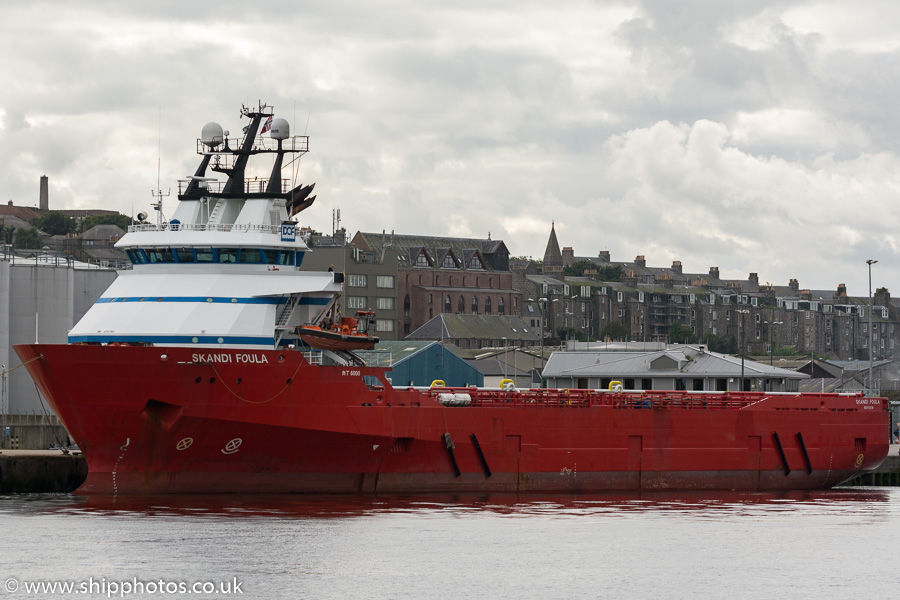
<point x="642" y="400"/>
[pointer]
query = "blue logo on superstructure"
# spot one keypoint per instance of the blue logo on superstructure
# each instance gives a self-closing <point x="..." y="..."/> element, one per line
<point x="288" y="232"/>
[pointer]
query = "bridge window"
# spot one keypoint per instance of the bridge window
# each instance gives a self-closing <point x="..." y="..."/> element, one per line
<point x="228" y="255"/>
<point x="185" y="255"/>
<point x="159" y="255"/>
<point x="137" y="256"/>
<point x="251" y="256"/>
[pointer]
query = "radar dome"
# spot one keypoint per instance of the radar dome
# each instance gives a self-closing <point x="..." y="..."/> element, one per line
<point x="280" y="129"/>
<point x="212" y="134"/>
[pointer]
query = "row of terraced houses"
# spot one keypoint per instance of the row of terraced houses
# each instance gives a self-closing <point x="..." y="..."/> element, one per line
<point x="411" y="281"/>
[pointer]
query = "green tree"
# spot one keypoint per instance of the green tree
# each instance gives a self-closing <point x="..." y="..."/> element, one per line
<point x="572" y="333"/>
<point x="27" y="238"/>
<point x="610" y="273"/>
<point x="604" y="272"/>
<point x="679" y="334"/>
<point x="722" y="345"/>
<point x="614" y="331"/>
<point x="577" y="268"/>
<point x="6" y="234"/>
<point x="55" y="223"/>
<point x="119" y="220"/>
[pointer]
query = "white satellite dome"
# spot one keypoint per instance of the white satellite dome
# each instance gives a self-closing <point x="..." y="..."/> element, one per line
<point x="212" y="134"/>
<point x="281" y="130"/>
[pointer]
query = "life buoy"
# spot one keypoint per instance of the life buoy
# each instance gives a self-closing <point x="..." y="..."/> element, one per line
<point x="508" y="385"/>
<point x="615" y="386"/>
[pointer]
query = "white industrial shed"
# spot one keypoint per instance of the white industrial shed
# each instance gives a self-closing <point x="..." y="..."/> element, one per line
<point x="692" y="368"/>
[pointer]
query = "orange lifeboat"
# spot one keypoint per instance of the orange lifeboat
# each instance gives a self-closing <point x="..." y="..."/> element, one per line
<point x="348" y="333"/>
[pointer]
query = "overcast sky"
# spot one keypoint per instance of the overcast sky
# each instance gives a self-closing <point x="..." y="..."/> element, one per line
<point x="756" y="136"/>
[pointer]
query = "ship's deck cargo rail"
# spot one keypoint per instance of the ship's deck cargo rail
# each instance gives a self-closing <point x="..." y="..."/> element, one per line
<point x="663" y="399"/>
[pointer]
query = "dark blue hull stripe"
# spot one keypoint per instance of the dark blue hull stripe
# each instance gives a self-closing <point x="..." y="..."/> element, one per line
<point x="176" y="339"/>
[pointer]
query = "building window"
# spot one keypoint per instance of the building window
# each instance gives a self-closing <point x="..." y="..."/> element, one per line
<point x="461" y="305"/>
<point x="474" y="305"/>
<point x="447" y="304"/>
<point x="422" y="260"/>
<point x="487" y="306"/>
<point x="475" y="263"/>
<point x="383" y="303"/>
<point x="385" y="281"/>
<point x="448" y="263"/>
<point x="406" y="329"/>
<point x="384" y="324"/>
<point x="356" y="280"/>
<point x="356" y="302"/>
<point x="406" y="304"/>
<point x="501" y="308"/>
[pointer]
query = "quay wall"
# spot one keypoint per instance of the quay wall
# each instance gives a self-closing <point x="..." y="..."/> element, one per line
<point x="32" y="432"/>
<point x="31" y="472"/>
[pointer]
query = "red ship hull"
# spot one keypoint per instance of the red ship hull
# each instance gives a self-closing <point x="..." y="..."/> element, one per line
<point x="182" y="420"/>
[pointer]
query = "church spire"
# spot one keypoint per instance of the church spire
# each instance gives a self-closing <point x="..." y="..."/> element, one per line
<point x="553" y="260"/>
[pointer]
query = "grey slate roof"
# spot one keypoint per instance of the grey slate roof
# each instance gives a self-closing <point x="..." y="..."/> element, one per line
<point x="494" y="367"/>
<point x="401" y="350"/>
<point x="484" y="327"/>
<point x="409" y="246"/>
<point x="103" y="232"/>
<point x="686" y="360"/>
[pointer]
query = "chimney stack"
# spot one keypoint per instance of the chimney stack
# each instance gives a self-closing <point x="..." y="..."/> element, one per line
<point x="714" y="272"/>
<point x="45" y="194"/>
<point x="842" y="290"/>
<point x="640" y="261"/>
<point x="676" y="266"/>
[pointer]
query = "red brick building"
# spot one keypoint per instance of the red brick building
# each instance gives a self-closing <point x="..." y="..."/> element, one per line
<point x="446" y="275"/>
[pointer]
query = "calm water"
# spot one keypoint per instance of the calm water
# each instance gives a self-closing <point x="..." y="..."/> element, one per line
<point x="837" y="544"/>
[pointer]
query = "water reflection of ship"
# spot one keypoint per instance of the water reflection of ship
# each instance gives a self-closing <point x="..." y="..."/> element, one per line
<point x="591" y="505"/>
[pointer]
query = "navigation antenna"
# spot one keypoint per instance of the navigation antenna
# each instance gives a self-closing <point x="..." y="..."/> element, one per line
<point x="157" y="194"/>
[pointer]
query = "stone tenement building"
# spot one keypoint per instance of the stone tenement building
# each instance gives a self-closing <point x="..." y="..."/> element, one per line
<point x="408" y="280"/>
<point x="648" y="301"/>
<point x="442" y="275"/>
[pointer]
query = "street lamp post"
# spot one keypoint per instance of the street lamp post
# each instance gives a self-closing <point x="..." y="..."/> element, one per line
<point x="870" y="262"/>
<point x="741" y="342"/>
<point x="505" y="357"/>
<point x="772" y="343"/>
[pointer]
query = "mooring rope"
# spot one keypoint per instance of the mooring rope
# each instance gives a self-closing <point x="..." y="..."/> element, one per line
<point x="241" y="398"/>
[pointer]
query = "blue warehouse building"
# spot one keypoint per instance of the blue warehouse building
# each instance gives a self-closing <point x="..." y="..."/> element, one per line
<point x="421" y="362"/>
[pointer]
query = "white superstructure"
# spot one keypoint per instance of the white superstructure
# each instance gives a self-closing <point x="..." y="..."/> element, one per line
<point x="224" y="271"/>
